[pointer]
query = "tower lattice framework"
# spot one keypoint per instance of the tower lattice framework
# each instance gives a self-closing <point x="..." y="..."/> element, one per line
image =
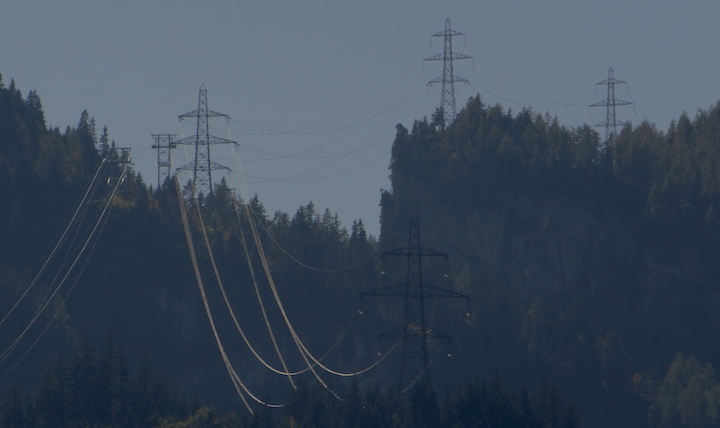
<point x="415" y="334"/>
<point x="164" y="143"/>
<point x="203" y="165"/>
<point x="610" y="103"/>
<point x="448" y="78"/>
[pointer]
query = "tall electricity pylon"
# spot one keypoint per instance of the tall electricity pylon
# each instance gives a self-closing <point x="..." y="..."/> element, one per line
<point x="610" y="123"/>
<point x="415" y="334"/>
<point x="448" y="78"/>
<point x="203" y="166"/>
<point x="163" y="143"/>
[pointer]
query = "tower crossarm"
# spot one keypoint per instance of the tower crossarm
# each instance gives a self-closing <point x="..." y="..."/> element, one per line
<point x="164" y="141"/>
<point x="415" y="332"/>
<point x="615" y="102"/>
<point x="604" y="123"/>
<point x="448" y="31"/>
<point x="429" y="292"/>
<point x="199" y="113"/>
<point x="442" y="56"/>
<point x="211" y="139"/>
<point x="213" y="166"/>
<point x="169" y="146"/>
<point x="451" y="79"/>
<point x="610" y="81"/>
<point x="414" y="251"/>
<point x="435" y="292"/>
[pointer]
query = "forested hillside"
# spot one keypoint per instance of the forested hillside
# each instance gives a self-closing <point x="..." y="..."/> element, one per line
<point x="591" y="269"/>
<point x="594" y="264"/>
<point x="88" y="251"/>
<point x="136" y="280"/>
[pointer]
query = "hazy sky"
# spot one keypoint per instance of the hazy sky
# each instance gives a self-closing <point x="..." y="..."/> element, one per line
<point x="315" y="88"/>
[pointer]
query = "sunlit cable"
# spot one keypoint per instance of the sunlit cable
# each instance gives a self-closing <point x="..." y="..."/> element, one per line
<point x="103" y="220"/>
<point x="42" y="308"/>
<point x="290" y="256"/>
<point x="198" y="277"/>
<point x="232" y="312"/>
<point x="60" y="241"/>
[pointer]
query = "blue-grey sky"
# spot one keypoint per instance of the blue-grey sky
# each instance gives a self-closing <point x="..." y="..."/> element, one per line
<point x="315" y="88"/>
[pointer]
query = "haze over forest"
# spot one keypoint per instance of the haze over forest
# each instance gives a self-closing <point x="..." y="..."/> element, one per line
<point x="591" y="269"/>
<point x="349" y="72"/>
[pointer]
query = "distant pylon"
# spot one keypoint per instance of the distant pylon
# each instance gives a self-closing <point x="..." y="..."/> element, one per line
<point x="163" y="143"/>
<point x="415" y="334"/>
<point x="610" y="123"/>
<point x="203" y="166"/>
<point x="448" y="78"/>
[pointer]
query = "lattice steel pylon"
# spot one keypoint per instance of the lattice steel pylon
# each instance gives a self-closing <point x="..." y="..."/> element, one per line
<point x="164" y="143"/>
<point x="203" y="166"/>
<point x="610" y="102"/>
<point x="415" y="334"/>
<point x="448" y="77"/>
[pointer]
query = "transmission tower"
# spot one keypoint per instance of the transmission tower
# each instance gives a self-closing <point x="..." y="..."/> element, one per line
<point x="610" y="123"/>
<point x="448" y="78"/>
<point x="415" y="334"/>
<point x="163" y="143"/>
<point x="203" y="166"/>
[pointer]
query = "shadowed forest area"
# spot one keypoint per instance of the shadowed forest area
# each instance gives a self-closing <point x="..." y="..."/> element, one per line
<point x="591" y="269"/>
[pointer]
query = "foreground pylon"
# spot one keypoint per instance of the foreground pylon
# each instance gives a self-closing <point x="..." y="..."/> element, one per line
<point x="415" y="334"/>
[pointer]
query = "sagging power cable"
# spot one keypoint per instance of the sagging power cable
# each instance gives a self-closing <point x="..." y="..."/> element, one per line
<point x="54" y="289"/>
<point x="291" y="257"/>
<point x="88" y="192"/>
<point x="235" y="378"/>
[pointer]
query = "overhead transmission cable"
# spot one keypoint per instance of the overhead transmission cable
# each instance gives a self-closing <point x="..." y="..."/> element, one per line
<point x="304" y="352"/>
<point x="198" y="279"/>
<point x="234" y="317"/>
<point x="67" y="295"/>
<point x="301" y="347"/>
<point x="275" y="293"/>
<point x="306" y="266"/>
<point x="318" y="125"/>
<point x="74" y="224"/>
<point x="467" y="368"/>
<point x="243" y="239"/>
<point x="296" y="339"/>
<point x="56" y="288"/>
<point x="275" y="156"/>
<point x="356" y="125"/>
<point x="508" y="81"/>
<point x="232" y="312"/>
<point x="235" y="378"/>
<point x="60" y="241"/>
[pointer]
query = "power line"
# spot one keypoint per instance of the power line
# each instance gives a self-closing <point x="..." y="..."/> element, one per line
<point x="55" y="286"/>
<point x="82" y="205"/>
